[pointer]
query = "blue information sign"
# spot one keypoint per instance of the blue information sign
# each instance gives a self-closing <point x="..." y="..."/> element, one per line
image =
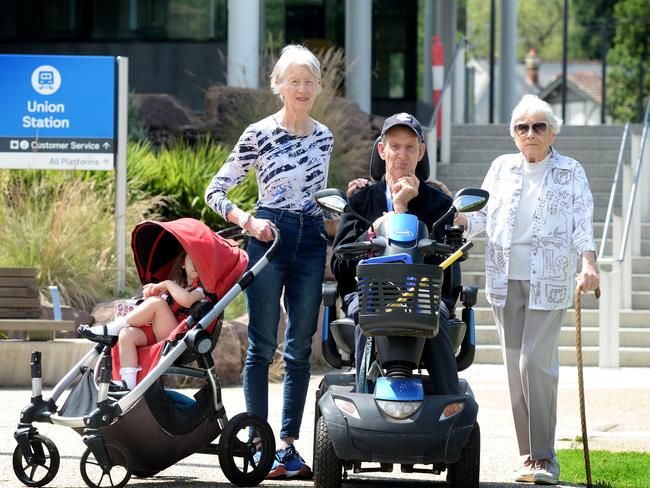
<point x="58" y="112"/>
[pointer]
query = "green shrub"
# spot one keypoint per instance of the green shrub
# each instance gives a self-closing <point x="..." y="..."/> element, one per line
<point x="62" y="224"/>
<point x="179" y="176"/>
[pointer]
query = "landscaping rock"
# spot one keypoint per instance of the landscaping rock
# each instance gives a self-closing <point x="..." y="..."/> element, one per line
<point x="228" y="356"/>
<point x="163" y="111"/>
<point x="67" y="313"/>
<point x="167" y="120"/>
<point x="104" y="312"/>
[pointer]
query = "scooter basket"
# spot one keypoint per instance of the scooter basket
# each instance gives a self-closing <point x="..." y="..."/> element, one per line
<point x="399" y="299"/>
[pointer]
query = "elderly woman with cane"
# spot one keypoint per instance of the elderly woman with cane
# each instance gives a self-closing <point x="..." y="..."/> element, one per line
<point x="537" y="222"/>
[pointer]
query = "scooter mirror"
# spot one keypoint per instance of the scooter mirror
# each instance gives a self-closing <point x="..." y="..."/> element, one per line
<point x="470" y="199"/>
<point x="332" y="199"/>
<point x="335" y="201"/>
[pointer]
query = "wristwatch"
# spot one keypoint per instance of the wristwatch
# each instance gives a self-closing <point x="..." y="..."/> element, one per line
<point x="244" y="219"/>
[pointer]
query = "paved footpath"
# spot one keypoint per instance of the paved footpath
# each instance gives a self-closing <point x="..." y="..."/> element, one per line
<point x="617" y="418"/>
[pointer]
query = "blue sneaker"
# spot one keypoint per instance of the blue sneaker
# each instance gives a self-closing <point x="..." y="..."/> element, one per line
<point x="289" y="464"/>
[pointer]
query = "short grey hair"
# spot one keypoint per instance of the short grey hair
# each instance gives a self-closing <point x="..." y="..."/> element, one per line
<point x="533" y="105"/>
<point x="294" y="54"/>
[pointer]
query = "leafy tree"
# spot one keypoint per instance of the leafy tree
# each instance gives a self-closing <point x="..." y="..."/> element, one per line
<point x="539" y="26"/>
<point x="628" y="79"/>
<point x="587" y="32"/>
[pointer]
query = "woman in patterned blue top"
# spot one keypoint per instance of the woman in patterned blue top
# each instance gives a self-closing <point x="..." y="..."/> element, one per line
<point x="290" y="153"/>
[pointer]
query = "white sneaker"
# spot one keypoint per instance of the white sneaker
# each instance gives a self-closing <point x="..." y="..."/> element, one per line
<point x="546" y="472"/>
<point x="525" y="473"/>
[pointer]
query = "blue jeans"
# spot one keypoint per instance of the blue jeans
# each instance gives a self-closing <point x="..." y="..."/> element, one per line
<point x="299" y="269"/>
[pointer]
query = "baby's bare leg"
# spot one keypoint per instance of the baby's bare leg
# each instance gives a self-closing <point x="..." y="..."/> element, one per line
<point x="128" y="342"/>
<point x="150" y="311"/>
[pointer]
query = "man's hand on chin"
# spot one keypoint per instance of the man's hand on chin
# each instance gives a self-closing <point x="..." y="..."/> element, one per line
<point x="404" y="190"/>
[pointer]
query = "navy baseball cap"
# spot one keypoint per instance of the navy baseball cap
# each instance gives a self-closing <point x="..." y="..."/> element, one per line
<point x="406" y="120"/>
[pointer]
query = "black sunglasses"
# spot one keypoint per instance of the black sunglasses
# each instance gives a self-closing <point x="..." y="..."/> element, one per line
<point x="538" y="128"/>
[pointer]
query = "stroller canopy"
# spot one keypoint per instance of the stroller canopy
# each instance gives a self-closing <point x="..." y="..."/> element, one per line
<point x="220" y="262"/>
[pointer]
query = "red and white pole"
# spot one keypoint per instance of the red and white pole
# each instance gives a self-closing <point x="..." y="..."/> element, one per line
<point x="438" y="76"/>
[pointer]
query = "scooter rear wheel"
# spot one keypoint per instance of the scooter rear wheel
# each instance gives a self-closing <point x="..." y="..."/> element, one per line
<point x="465" y="473"/>
<point x="44" y="456"/>
<point x="328" y="467"/>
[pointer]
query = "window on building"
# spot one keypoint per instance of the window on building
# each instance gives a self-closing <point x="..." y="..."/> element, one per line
<point x="44" y="20"/>
<point x="394" y="51"/>
<point x="195" y="20"/>
<point x="102" y="20"/>
<point x="319" y="24"/>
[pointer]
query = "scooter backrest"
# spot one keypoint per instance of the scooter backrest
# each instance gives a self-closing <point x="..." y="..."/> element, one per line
<point x="378" y="165"/>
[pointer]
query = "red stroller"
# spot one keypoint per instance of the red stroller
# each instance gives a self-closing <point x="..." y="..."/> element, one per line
<point x="150" y="428"/>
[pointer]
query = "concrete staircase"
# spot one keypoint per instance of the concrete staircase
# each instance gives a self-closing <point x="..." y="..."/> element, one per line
<point x="473" y="148"/>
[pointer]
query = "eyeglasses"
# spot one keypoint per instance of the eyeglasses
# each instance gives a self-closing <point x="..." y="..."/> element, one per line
<point x="538" y="128"/>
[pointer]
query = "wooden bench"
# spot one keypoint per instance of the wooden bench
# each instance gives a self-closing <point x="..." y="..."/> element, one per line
<point x="20" y="305"/>
<point x="12" y="325"/>
<point x="19" y="294"/>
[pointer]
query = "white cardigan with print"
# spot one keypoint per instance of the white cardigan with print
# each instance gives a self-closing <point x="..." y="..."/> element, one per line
<point x="562" y="229"/>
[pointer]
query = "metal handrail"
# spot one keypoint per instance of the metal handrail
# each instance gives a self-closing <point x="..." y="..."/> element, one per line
<point x="612" y="194"/>
<point x="450" y="73"/>
<point x="635" y="181"/>
<point x="630" y="206"/>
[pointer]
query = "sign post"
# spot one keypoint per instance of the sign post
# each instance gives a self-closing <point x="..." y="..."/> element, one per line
<point x="62" y="112"/>
<point x="438" y="75"/>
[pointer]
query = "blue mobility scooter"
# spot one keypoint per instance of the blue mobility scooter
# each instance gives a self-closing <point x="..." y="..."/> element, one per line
<point x="386" y="414"/>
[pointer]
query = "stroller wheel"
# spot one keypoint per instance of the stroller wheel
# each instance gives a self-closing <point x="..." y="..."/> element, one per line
<point x="115" y="475"/>
<point x="328" y="468"/>
<point x="465" y="473"/>
<point x="41" y="466"/>
<point x="246" y="449"/>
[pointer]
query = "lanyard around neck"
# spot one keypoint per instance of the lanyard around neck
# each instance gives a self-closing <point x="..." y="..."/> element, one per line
<point x="389" y="199"/>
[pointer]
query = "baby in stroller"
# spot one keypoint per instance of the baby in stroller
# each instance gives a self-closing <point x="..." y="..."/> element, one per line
<point x="163" y="306"/>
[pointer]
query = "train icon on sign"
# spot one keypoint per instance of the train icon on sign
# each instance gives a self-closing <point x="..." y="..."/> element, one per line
<point x="46" y="80"/>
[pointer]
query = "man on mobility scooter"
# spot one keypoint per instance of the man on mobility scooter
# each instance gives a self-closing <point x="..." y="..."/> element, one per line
<point x="387" y="414"/>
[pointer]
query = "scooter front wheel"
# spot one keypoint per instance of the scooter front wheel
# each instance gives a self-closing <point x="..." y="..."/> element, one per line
<point x="42" y="464"/>
<point x="328" y="467"/>
<point x="465" y="473"/>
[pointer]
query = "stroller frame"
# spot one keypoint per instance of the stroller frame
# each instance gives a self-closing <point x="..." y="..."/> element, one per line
<point x="32" y="445"/>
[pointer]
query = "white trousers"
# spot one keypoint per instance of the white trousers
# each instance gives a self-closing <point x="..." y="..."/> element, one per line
<point x="529" y="344"/>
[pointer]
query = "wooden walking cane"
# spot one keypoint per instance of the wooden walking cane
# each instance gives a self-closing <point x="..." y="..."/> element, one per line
<point x="581" y="389"/>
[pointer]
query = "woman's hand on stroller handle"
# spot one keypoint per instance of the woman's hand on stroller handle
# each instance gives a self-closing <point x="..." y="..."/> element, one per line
<point x="260" y="229"/>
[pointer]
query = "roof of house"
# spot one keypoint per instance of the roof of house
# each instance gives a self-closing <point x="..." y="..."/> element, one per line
<point x="584" y="79"/>
<point x="586" y="85"/>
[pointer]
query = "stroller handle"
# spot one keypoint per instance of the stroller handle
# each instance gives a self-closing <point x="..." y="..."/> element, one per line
<point x="235" y="231"/>
<point x="275" y="247"/>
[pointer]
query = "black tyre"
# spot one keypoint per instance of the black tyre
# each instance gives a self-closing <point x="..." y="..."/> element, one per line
<point x="43" y="463"/>
<point x="116" y="475"/>
<point x="465" y="473"/>
<point x="328" y="468"/>
<point x="246" y="449"/>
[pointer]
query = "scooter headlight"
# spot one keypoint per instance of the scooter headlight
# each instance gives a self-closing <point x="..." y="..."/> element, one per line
<point x="347" y="407"/>
<point x="399" y="410"/>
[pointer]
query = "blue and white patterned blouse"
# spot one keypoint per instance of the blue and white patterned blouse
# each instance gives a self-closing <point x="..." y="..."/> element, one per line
<point x="290" y="169"/>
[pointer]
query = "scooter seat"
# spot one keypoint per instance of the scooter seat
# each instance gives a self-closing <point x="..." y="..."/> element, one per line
<point x="456" y="331"/>
<point x="342" y="331"/>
